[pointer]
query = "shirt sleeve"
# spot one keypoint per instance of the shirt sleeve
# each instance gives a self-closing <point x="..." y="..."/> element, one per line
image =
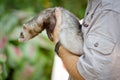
<point x="100" y="38"/>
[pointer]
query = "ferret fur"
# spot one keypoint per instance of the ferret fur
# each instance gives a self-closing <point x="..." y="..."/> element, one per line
<point x="70" y="35"/>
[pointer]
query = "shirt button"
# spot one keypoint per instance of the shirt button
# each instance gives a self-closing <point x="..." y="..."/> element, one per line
<point x="96" y="45"/>
<point x="85" y="25"/>
<point x="87" y="13"/>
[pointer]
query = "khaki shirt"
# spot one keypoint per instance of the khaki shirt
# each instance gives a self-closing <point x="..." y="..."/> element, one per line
<point x="101" y="31"/>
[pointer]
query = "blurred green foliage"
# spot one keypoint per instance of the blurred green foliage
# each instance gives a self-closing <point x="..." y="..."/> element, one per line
<point x="31" y="60"/>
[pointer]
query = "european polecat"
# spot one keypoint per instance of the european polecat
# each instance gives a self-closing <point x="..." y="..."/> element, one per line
<point x="70" y="29"/>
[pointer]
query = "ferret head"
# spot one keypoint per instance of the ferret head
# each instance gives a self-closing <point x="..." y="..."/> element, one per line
<point x="30" y="30"/>
<point x="45" y="20"/>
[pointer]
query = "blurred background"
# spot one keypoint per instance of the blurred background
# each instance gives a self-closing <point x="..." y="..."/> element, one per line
<point x="32" y="60"/>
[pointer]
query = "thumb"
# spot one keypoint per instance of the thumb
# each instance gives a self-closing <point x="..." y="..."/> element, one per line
<point x="58" y="15"/>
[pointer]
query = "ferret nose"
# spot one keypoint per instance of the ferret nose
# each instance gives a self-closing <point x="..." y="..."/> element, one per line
<point x="21" y="35"/>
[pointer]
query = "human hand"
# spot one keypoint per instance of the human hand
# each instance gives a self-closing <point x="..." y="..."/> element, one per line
<point x="56" y="31"/>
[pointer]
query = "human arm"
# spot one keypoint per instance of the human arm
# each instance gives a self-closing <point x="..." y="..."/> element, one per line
<point x="69" y="60"/>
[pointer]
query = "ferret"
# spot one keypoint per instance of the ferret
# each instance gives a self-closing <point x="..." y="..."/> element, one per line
<point x="70" y="35"/>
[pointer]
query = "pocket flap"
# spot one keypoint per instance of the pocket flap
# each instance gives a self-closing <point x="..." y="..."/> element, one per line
<point x="100" y="44"/>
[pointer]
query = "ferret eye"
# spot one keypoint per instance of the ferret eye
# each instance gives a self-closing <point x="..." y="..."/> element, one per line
<point x="21" y="35"/>
<point x="24" y="27"/>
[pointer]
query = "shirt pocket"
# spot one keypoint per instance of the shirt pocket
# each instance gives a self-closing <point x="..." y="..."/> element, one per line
<point x="99" y="44"/>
